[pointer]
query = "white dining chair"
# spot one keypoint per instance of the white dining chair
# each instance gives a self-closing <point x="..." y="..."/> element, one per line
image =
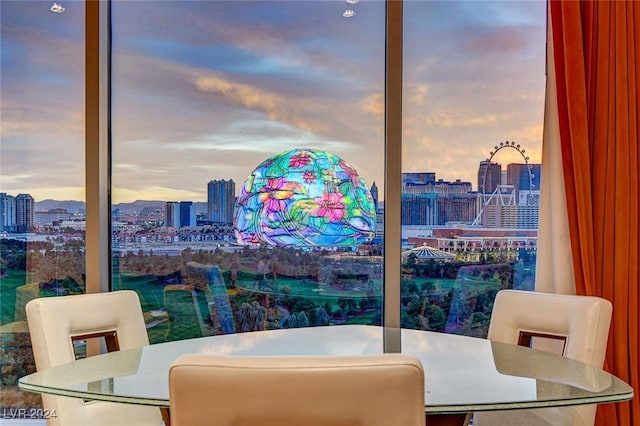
<point x="574" y="326"/>
<point x="373" y="390"/>
<point x="57" y="323"/>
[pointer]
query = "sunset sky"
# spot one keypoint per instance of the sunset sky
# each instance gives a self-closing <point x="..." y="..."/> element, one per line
<point x="208" y="89"/>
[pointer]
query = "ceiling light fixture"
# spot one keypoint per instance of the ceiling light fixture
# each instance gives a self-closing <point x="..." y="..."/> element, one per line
<point x="348" y="13"/>
<point x="57" y="8"/>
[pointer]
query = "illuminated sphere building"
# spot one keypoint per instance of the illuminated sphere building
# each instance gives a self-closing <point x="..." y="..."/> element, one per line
<point x="304" y="198"/>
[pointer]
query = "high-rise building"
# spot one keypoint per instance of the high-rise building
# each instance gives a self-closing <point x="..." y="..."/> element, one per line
<point x="187" y="214"/>
<point x="438" y="187"/>
<point x="427" y="201"/>
<point x="518" y="176"/>
<point x="379" y="237"/>
<point x="419" y="209"/>
<point x="172" y="214"/>
<point x="221" y="199"/>
<point x="489" y="176"/>
<point x="178" y="214"/>
<point x="51" y="217"/>
<point x="25" y="206"/>
<point x="528" y="216"/>
<point x="7" y="212"/>
<point x="374" y="195"/>
<point x="510" y="216"/>
<point x="417" y="178"/>
<point x="455" y="207"/>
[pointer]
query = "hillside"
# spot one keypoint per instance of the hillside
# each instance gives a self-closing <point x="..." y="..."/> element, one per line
<point x="74" y="206"/>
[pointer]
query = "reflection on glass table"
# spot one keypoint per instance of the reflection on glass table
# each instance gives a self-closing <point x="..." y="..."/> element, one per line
<point x="462" y="374"/>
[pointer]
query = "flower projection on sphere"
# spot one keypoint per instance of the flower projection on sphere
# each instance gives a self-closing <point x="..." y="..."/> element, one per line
<point x="304" y="198"/>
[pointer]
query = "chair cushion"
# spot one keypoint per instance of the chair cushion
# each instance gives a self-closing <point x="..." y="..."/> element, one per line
<point x="342" y="391"/>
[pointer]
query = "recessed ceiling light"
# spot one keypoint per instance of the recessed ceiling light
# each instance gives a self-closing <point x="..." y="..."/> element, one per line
<point x="348" y="13"/>
<point x="353" y="1"/>
<point x="56" y="8"/>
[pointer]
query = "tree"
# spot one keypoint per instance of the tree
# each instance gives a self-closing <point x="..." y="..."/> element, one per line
<point x="303" y="321"/>
<point x="274" y="267"/>
<point x="322" y="318"/>
<point x="428" y="287"/>
<point x="252" y="316"/>
<point x="437" y="318"/>
<point x="285" y="289"/>
<point x="292" y="321"/>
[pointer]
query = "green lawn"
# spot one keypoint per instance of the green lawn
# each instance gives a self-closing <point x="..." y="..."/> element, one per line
<point x="309" y="289"/>
<point x="149" y="292"/>
<point x="8" y="284"/>
<point x="152" y="298"/>
<point x="366" y="319"/>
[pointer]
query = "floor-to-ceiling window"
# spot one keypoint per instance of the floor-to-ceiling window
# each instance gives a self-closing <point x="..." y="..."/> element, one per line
<point x="474" y="75"/>
<point x="248" y="167"/>
<point x="198" y="108"/>
<point x="248" y="163"/>
<point x="42" y="174"/>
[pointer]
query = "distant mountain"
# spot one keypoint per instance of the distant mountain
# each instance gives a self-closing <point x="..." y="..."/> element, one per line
<point x="138" y="205"/>
<point x="125" y="208"/>
<point x="71" y="206"/>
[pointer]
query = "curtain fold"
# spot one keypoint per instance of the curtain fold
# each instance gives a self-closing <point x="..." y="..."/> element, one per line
<point x="554" y="271"/>
<point x="596" y="53"/>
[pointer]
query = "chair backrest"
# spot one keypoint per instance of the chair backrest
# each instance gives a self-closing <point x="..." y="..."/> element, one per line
<point x="576" y="326"/>
<point x="54" y="322"/>
<point x="582" y="322"/>
<point x="373" y="390"/>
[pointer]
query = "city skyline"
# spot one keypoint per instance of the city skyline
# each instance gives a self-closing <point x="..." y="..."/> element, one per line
<point x="474" y="184"/>
<point x="426" y="200"/>
<point x="245" y="81"/>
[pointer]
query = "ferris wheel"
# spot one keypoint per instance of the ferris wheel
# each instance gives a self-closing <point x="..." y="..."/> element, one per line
<point x="486" y="199"/>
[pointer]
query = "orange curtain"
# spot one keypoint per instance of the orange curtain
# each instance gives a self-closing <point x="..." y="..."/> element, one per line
<point x="597" y="68"/>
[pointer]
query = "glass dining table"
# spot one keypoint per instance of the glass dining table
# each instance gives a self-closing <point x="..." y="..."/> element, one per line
<point x="462" y="374"/>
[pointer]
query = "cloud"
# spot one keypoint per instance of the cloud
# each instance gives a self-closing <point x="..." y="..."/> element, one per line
<point x="501" y="41"/>
<point x="301" y="112"/>
<point x="207" y="111"/>
<point x="245" y="80"/>
<point x="416" y="93"/>
<point x="530" y="137"/>
<point x="449" y="119"/>
<point x="373" y="104"/>
<point x="224" y="98"/>
<point x="243" y="94"/>
<point x="15" y="179"/>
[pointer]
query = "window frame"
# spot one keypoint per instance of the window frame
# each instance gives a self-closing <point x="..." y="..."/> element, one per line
<point x="98" y="154"/>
